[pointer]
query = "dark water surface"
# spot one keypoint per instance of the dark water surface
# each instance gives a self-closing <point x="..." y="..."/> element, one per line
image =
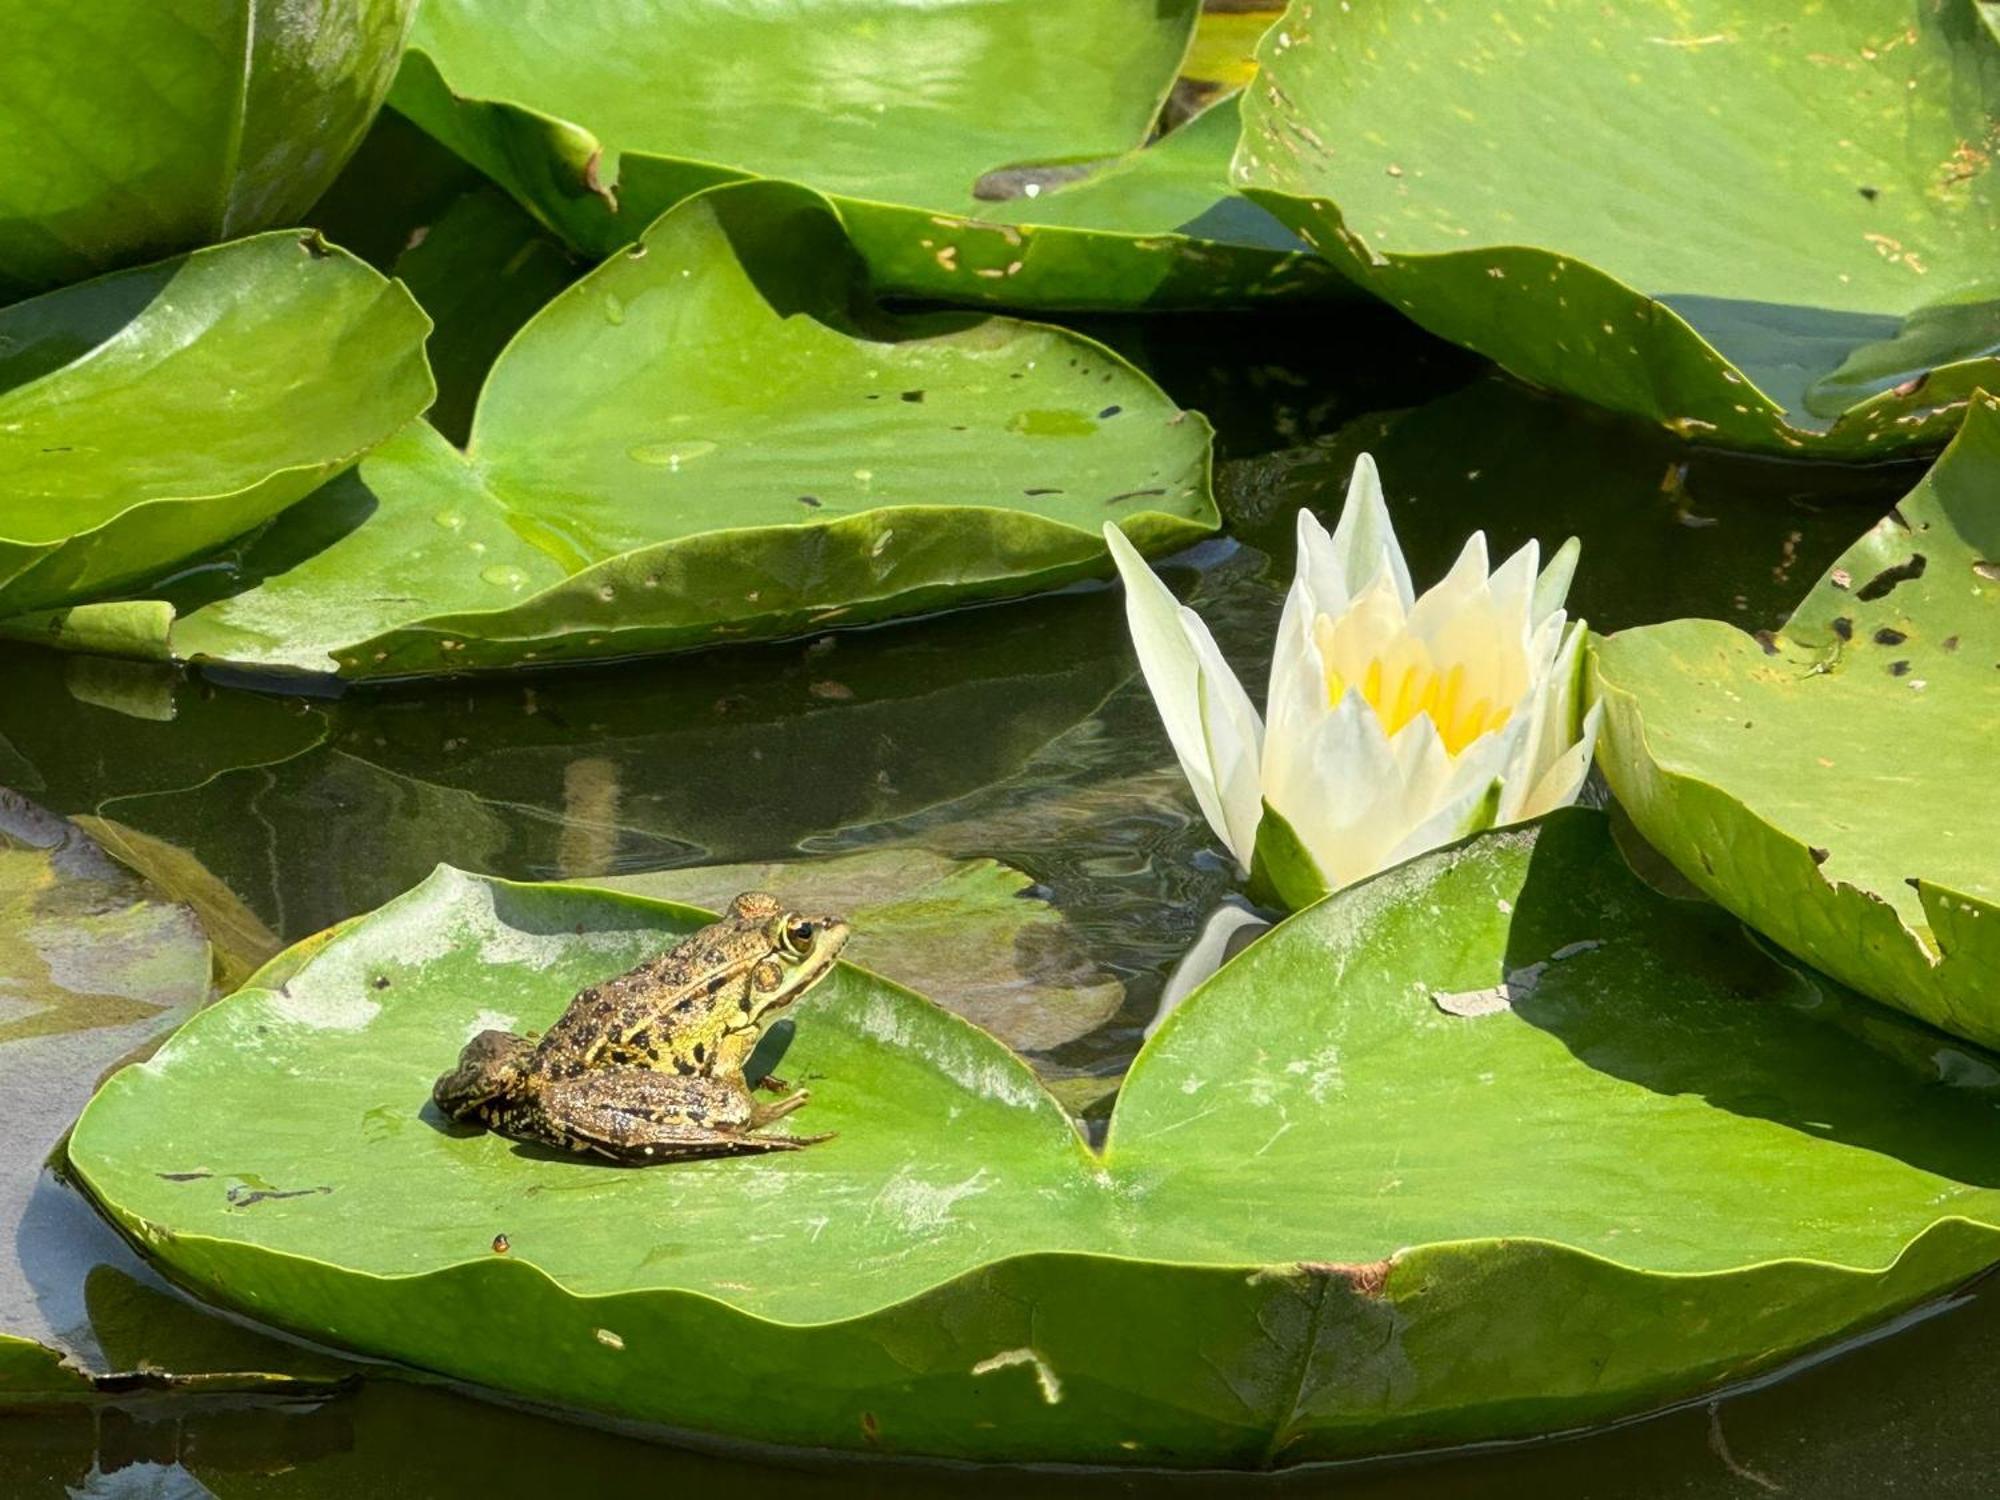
<point x="1017" y="732"/>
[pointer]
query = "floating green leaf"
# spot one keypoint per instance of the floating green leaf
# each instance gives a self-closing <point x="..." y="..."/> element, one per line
<point x="968" y="933"/>
<point x="932" y="125"/>
<point x="152" y="414"/>
<point x="94" y="965"/>
<point x="1832" y="784"/>
<point x="135" y="129"/>
<point x="1767" y="229"/>
<point x="1381" y="1168"/>
<point x="32" y="1371"/>
<point x="705" y="440"/>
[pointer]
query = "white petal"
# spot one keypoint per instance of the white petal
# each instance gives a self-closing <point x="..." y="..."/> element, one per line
<point x="1548" y="708"/>
<point x="1553" y="586"/>
<point x="1468" y="812"/>
<point x="1235" y="739"/>
<point x="1296" y="698"/>
<point x="1172" y="663"/>
<point x="1563" y="780"/>
<point x="1343" y="795"/>
<point x="1228" y="930"/>
<point x="1421" y="761"/>
<point x="1513" y="588"/>
<point x="1495" y="755"/>
<point x="1452" y="592"/>
<point x="1364" y="539"/>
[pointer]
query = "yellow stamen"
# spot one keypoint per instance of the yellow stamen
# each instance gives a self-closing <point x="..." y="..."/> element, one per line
<point x="1412" y="686"/>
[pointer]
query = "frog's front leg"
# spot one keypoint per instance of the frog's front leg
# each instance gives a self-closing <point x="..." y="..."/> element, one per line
<point x="635" y="1116"/>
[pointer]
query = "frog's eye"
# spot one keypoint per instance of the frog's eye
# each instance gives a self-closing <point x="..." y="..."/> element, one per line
<point x="797" y="937"/>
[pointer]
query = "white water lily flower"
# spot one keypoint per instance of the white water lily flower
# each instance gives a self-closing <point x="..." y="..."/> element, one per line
<point x="1397" y="723"/>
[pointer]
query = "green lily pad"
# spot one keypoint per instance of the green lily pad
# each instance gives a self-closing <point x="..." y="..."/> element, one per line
<point x="1373" y="1187"/>
<point x="932" y="126"/>
<point x="1768" y="230"/>
<point x="970" y="934"/>
<point x="707" y="439"/>
<point x="32" y="1371"/>
<point x="142" y="129"/>
<point x="1832" y="783"/>
<point x="94" y="965"/>
<point x="150" y="415"/>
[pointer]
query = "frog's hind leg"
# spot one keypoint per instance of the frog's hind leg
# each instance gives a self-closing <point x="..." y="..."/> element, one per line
<point x="763" y="1114"/>
<point x="634" y="1115"/>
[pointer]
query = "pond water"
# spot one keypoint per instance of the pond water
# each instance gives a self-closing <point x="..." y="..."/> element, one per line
<point x="1016" y="732"/>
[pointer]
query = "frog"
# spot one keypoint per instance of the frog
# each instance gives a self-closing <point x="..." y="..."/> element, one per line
<point x="649" y="1066"/>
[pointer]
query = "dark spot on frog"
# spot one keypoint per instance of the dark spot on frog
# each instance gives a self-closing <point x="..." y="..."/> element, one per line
<point x="1109" y="412"/>
<point x="1889" y="577"/>
<point x="913" y="397"/>
<point x="1042" y="489"/>
<point x="812" y="500"/>
<point x="183" y="1176"/>
<point x="501" y="1244"/>
<point x="1819" y="855"/>
<point x="700" y="1055"/>
<point x="1843" y="627"/>
<point x="1899" y="668"/>
<point x="1887" y="636"/>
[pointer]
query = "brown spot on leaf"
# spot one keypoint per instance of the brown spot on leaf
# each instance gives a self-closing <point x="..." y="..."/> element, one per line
<point x="1899" y="668"/>
<point x="1844" y="628"/>
<point x="597" y="184"/>
<point x="1890" y="636"/>
<point x="1902" y="572"/>
<point x="1364" y="1279"/>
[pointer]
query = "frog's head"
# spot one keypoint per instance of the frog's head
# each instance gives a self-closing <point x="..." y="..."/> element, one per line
<point x="799" y="950"/>
<point x="491" y="1066"/>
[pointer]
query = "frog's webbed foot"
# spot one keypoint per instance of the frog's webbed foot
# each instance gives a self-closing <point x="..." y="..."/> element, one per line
<point x="634" y="1115"/>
